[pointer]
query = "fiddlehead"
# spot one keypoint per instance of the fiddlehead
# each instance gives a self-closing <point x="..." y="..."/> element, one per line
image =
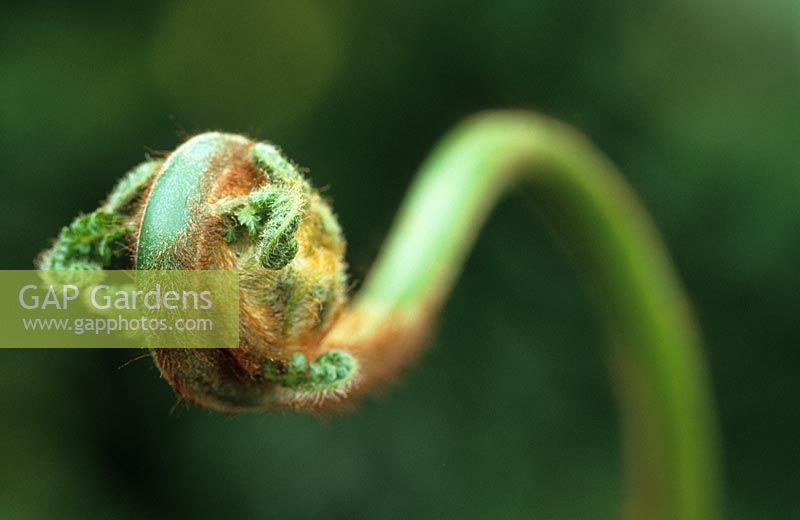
<point x="221" y="201"/>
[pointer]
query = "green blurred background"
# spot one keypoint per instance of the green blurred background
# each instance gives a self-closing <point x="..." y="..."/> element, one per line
<point x="509" y="413"/>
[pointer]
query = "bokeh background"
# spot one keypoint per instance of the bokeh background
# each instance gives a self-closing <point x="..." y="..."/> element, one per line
<point x="509" y="413"/>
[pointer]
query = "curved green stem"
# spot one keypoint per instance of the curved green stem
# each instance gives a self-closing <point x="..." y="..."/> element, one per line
<point x="657" y="367"/>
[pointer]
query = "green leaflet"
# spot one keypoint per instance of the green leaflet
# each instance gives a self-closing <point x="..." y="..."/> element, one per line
<point x="331" y="371"/>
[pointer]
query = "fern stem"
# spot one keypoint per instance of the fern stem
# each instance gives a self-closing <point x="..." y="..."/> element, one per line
<point x="657" y="367"/>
